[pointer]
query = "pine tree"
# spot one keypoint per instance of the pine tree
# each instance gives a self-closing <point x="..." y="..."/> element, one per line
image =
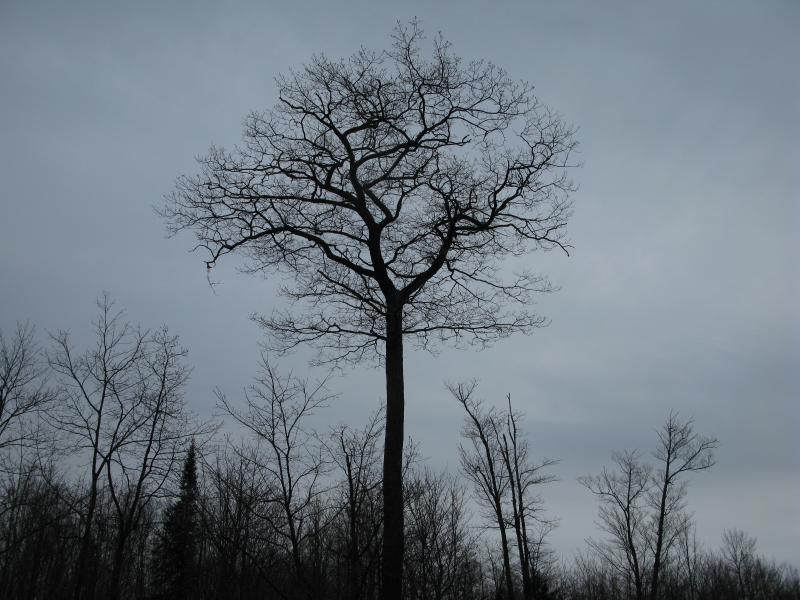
<point x="176" y="550"/>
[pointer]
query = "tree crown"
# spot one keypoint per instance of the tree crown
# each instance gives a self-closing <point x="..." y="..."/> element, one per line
<point x="388" y="183"/>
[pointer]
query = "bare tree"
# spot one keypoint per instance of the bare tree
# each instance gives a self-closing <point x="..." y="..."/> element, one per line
<point x="122" y="405"/>
<point x="235" y="509"/>
<point x="440" y="547"/>
<point x="276" y="412"/>
<point x="623" y="516"/>
<point x="141" y="468"/>
<point x="36" y="532"/>
<point x="690" y="557"/>
<point x="642" y="508"/>
<point x="524" y="476"/>
<point x="389" y="187"/>
<point x="506" y="479"/>
<point x="680" y="451"/>
<point x="481" y="462"/>
<point x="23" y="390"/>
<point x="25" y="471"/>
<point x="355" y="455"/>
<point x="739" y="552"/>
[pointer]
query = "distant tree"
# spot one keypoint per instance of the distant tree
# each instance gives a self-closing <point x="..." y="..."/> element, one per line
<point x="690" y="558"/>
<point x="23" y="388"/>
<point x="177" y="550"/>
<point x="680" y="451"/>
<point x="389" y="187"/>
<point x="355" y="455"/>
<point x="25" y="456"/>
<point x="739" y="551"/>
<point x="37" y="530"/>
<point x="236" y="509"/>
<point x="289" y="459"/>
<point x="497" y="461"/>
<point x="623" y="516"/>
<point x="642" y="507"/>
<point x="530" y="526"/>
<point x="122" y="410"/>
<point x="482" y="465"/>
<point x="440" y="548"/>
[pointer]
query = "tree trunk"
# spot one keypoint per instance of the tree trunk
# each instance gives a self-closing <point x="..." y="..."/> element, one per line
<point x="506" y="556"/>
<point x="80" y="569"/>
<point x="633" y="556"/>
<point x="662" y="508"/>
<point x="392" y="567"/>
<point x="116" y="573"/>
<point x="353" y="562"/>
<point x="519" y="523"/>
<point x="518" y="532"/>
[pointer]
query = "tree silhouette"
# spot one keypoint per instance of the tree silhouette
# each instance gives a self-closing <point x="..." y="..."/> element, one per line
<point x="388" y="187"/>
<point x="121" y="408"/>
<point x="643" y="508"/>
<point x="176" y="553"/>
<point x="496" y="460"/>
<point x="23" y="390"/>
<point x="680" y="452"/>
<point x="481" y="462"/>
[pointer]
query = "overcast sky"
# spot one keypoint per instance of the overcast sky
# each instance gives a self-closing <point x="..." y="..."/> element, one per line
<point x="679" y="291"/>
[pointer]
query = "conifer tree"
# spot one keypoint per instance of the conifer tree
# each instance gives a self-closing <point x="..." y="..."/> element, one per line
<point x="176" y="550"/>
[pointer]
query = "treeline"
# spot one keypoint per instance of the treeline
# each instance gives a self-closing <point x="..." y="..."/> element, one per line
<point x="111" y="488"/>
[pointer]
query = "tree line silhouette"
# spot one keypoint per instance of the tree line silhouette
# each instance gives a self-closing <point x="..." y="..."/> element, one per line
<point x="111" y="488"/>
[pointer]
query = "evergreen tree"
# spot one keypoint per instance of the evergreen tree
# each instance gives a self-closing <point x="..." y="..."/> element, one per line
<point x="177" y="547"/>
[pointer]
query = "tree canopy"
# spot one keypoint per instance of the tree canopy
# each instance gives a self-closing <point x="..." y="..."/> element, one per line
<point x="388" y="179"/>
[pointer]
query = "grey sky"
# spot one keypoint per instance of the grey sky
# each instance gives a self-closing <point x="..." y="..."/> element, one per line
<point x="678" y="294"/>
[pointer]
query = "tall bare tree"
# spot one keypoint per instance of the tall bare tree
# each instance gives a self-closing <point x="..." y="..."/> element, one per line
<point x="389" y="187"/>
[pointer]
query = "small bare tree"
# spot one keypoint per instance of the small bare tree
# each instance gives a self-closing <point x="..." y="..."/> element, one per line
<point x="690" y="558"/>
<point x="287" y="454"/>
<point x="482" y="464"/>
<point x="506" y="478"/>
<point x="121" y="407"/>
<point x="23" y="390"/>
<point x="739" y="552"/>
<point x="680" y="452"/>
<point x="440" y="547"/>
<point x="389" y="187"/>
<point x="642" y="508"/>
<point x="235" y="512"/>
<point x="24" y="398"/>
<point x="524" y="476"/>
<point x="623" y="516"/>
<point x="354" y="453"/>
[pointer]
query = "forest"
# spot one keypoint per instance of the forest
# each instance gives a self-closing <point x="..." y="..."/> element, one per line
<point x="112" y="488"/>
